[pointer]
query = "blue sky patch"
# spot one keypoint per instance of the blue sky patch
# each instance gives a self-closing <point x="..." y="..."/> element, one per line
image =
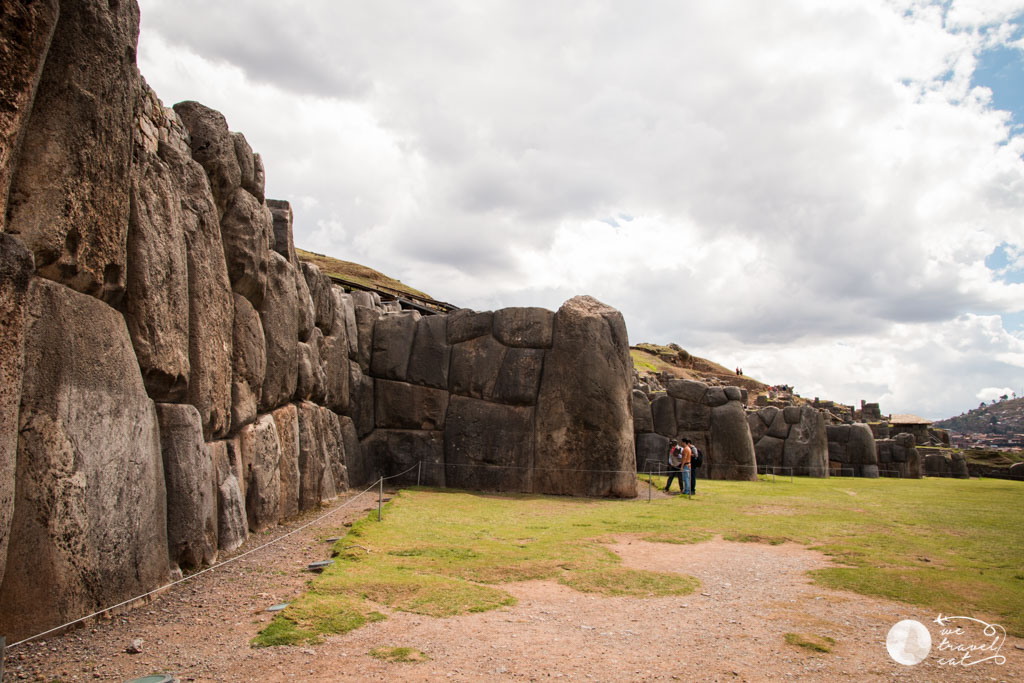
<point x="1001" y="69"/>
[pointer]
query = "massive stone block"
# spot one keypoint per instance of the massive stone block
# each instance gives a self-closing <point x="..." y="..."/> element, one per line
<point x="692" y="416"/>
<point x="465" y="324"/>
<point x="359" y="472"/>
<point x="210" y="304"/>
<point x="768" y="451"/>
<point x="409" y="456"/>
<point x="248" y="363"/>
<point x="731" y="452"/>
<point x="89" y="526"/>
<point x="284" y="244"/>
<point x="524" y="327"/>
<point x="334" y="455"/>
<point x="488" y="447"/>
<point x="757" y="428"/>
<point x="807" y="446"/>
<point x="431" y="353"/>
<point x="398" y="405"/>
<point x="663" y="410"/>
<point x="286" y="420"/>
<point x="643" y="421"/>
<point x="392" y="345"/>
<point x="26" y="29"/>
<point x="214" y="148"/>
<point x="651" y="452"/>
<point x="519" y="377"/>
<point x="346" y="309"/>
<point x="321" y="296"/>
<point x="16" y="269"/>
<point x="260" y="449"/>
<point x="334" y="361"/>
<point x="279" y="315"/>
<point x="156" y="300"/>
<point x="69" y="195"/>
<point x="584" y="430"/>
<point x="687" y="390"/>
<point x="312" y="380"/>
<point x="361" y="405"/>
<point x="860" y="448"/>
<point x="191" y="481"/>
<point x="311" y="454"/>
<point x="305" y="309"/>
<point x="366" y="320"/>
<point x="475" y="366"/>
<point x="232" y="525"/>
<point x="246" y="229"/>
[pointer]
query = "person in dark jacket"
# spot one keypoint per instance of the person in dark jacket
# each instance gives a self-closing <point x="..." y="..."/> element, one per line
<point x="675" y="461"/>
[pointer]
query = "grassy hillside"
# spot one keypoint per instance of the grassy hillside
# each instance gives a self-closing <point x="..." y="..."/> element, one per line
<point x="357" y="273"/>
<point x="1001" y="417"/>
<point x="654" y="358"/>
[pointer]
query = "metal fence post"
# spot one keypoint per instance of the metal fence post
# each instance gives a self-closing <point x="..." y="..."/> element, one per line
<point x="419" y="472"/>
<point x="380" y="497"/>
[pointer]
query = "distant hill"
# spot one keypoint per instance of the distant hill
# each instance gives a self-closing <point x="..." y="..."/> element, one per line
<point x="651" y="359"/>
<point x="999" y="417"/>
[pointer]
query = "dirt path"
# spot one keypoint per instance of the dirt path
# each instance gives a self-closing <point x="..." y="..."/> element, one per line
<point x="731" y="629"/>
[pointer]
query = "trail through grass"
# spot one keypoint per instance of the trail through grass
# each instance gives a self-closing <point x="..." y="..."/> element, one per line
<point x="951" y="545"/>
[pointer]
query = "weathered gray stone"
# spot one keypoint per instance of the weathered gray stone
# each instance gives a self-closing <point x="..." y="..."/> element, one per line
<point x="475" y="366"/>
<point x="860" y="447"/>
<point x="334" y="361"/>
<point x="958" y="466"/>
<point x="312" y="380"/>
<point x="714" y="397"/>
<point x="869" y="471"/>
<point x="807" y="444"/>
<point x="26" y="29"/>
<point x="259" y="178"/>
<point x="210" y="304"/>
<point x="334" y="443"/>
<point x="465" y="324"/>
<point x="321" y="296"/>
<point x="791" y="414"/>
<point x="937" y="465"/>
<point x="232" y="525"/>
<point x="779" y="428"/>
<point x="584" y="430"/>
<point x="286" y="421"/>
<point x="214" y="148"/>
<point x="692" y="417"/>
<point x="365" y="299"/>
<point x="246" y="165"/>
<point x="524" y="327"/>
<point x="278" y="313"/>
<point x="431" y="353"/>
<point x="733" y="393"/>
<point x="398" y="405"/>
<point x="643" y="420"/>
<point x="410" y="456"/>
<point x="359" y="472"/>
<point x="519" y="377"/>
<point x="366" y="320"/>
<point x="155" y="304"/>
<point x="343" y="303"/>
<point x="488" y="446"/>
<point x="768" y="451"/>
<point x="191" y="482"/>
<point x="69" y="194"/>
<point x="392" y="345"/>
<point x="838" y="433"/>
<point x="311" y="454"/>
<point x="687" y="390"/>
<point x="651" y="452"/>
<point x="757" y="427"/>
<point x="248" y="363"/>
<point x="16" y="269"/>
<point x="246" y="229"/>
<point x="361" y="405"/>
<point x="261" y="458"/>
<point x="663" y="410"/>
<point x="731" y="452"/>
<point x="304" y="306"/>
<point x="284" y="244"/>
<point x="89" y="526"/>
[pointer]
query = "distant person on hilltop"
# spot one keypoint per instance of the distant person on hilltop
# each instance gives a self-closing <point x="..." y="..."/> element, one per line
<point x="675" y="460"/>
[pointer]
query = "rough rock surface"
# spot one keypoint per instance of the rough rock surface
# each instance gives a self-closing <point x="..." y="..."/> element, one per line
<point x="334" y="453"/>
<point x="320" y="294"/>
<point x="475" y="365"/>
<point x="248" y="363"/>
<point x="392" y="345"/>
<point x="465" y="324"/>
<point x="26" y="29"/>
<point x="583" y="420"/>
<point x="398" y="453"/>
<point x="524" y="327"/>
<point x="279" y="315"/>
<point x="69" y="198"/>
<point x="731" y="452"/>
<point x="15" y="275"/>
<point x="366" y="320"/>
<point x="190" y="479"/>
<point x="214" y="148"/>
<point x="355" y="466"/>
<point x="488" y="446"/>
<point x="431" y="353"/>
<point x="283" y="242"/>
<point x="663" y="411"/>
<point x="311" y="454"/>
<point x="651" y="452"/>
<point x="246" y="229"/>
<point x="232" y="525"/>
<point x="398" y="405"/>
<point x="286" y="420"/>
<point x="89" y="526"/>
<point x="261" y="457"/>
<point x="519" y="377"/>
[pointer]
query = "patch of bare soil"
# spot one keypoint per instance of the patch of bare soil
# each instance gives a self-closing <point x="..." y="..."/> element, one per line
<point x="732" y="628"/>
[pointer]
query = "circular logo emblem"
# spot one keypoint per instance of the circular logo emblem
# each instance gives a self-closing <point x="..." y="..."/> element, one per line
<point x="909" y="642"/>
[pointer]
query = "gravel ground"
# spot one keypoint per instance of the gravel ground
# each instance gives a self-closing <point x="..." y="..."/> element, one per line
<point x="731" y="629"/>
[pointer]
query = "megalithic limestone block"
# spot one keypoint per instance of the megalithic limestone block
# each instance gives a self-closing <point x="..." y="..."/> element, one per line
<point x="334" y="440"/>
<point x="348" y="309"/>
<point x="16" y="269"/>
<point x="248" y="363"/>
<point x="90" y="518"/>
<point x="860" y="451"/>
<point x="392" y="345"/>
<point x="68" y="198"/>
<point x="431" y="353"/>
<point x="246" y="228"/>
<point x="26" y="29"/>
<point x="355" y="466"/>
<point x="320" y="293"/>
<point x="214" y="148"/>
<point x="156" y="300"/>
<point x="191" y="492"/>
<point x="643" y="421"/>
<point x="261" y="457"/>
<point x="366" y="320"/>
<point x="280" y="319"/>
<point x="731" y="454"/>
<point x="284" y="244"/>
<point x="334" y="358"/>
<point x="311" y="450"/>
<point x="286" y="418"/>
<point x="584" y="422"/>
<point x="232" y="525"/>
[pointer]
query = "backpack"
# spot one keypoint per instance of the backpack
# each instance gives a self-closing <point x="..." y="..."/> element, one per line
<point x="697" y="459"/>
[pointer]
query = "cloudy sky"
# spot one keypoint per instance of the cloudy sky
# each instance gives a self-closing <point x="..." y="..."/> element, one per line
<point x="828" y="193"/>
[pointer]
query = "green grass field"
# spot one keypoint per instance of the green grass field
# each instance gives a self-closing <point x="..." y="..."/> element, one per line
<point x="950" y="545"/>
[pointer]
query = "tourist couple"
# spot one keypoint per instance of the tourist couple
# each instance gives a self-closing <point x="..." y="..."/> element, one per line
<point x="680" y="464"/>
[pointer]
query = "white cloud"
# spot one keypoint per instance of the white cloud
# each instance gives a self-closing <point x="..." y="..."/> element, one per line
<point x="814" y="186"/>
<point x="993" y="393"/>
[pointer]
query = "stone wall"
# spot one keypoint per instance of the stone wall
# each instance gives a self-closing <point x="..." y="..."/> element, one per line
<point x="790" y="440"/>
<point x="851" y="450"/>
<point x="899" y="456"/>
<point x="711" y="417"/>
<point x="172" y="378"/>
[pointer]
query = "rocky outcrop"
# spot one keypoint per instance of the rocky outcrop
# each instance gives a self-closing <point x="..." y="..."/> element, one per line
<point x="89" y="526"/>
<point x="584" y="430"/>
